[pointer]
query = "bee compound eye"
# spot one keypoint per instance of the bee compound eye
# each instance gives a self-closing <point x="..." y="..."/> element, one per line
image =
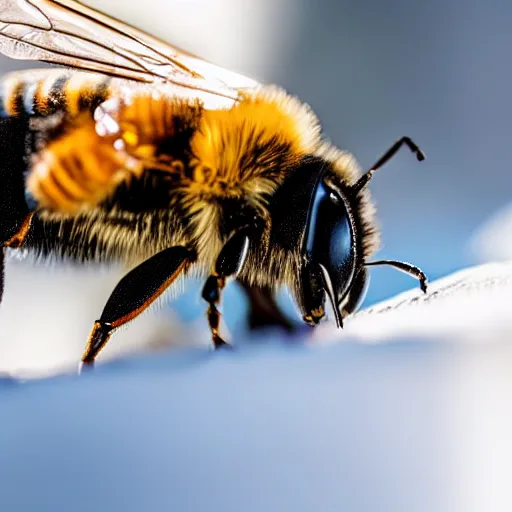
<point x="329" y="242"/>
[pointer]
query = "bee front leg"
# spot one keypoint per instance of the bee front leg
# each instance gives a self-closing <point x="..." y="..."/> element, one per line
<point x="229" y="263"/>
<point x="136" y="291"/>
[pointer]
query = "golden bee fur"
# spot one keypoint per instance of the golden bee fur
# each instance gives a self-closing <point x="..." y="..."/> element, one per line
<point x="201" y="158"/>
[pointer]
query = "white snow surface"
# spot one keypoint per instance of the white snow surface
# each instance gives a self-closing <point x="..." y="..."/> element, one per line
<point x="407" y="409"/>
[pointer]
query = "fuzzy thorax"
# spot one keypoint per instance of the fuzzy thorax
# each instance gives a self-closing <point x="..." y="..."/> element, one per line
<point x="250" y="148"/>
<point x="247" y="152"/>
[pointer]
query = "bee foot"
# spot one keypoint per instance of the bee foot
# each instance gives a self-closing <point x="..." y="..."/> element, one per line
<point x="219" y="343"/>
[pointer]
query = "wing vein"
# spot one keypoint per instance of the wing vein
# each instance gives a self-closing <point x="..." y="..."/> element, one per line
<point x="69" y="33"/>
<point x="168" y="59"/>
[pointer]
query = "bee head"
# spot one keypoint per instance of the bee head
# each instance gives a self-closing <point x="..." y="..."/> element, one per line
<point x="321" y="215"/>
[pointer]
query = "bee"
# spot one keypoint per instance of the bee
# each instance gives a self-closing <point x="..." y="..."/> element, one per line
<point x="146" y="155"/>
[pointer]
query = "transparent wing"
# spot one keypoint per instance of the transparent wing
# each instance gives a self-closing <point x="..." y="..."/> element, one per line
<point x="67" y="32"/>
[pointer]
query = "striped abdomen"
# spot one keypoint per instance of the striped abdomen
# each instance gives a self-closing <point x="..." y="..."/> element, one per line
<point x="104" y="138"/>
<point x="48" y="91"/>
<point x="77" y="167"/>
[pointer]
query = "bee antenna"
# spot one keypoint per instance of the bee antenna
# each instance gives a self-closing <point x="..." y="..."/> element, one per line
<point x="406" y="268"/>
<point x="388" y="155"/>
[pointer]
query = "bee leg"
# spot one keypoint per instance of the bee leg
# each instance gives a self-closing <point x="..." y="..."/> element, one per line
<point x="229" y="263"/>
<point x="406" y="268"/>
<point x="136" y="291"/>
<point x="263" y="309"/>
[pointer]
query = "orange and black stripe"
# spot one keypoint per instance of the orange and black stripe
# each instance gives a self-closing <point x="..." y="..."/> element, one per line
<point x="77" y="168"/>
<point x="12" y="92"/>
<point x="44" y="94"/>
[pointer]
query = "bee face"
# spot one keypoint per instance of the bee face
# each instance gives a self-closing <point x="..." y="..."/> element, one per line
<point x="314" y="222"/>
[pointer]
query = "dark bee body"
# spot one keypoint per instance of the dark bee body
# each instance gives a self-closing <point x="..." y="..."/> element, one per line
<point x="183" y="176"/>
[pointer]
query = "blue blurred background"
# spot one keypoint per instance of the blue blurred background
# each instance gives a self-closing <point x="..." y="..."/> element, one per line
<point x="373" y="71"/>
<point x="438" y="71"/>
